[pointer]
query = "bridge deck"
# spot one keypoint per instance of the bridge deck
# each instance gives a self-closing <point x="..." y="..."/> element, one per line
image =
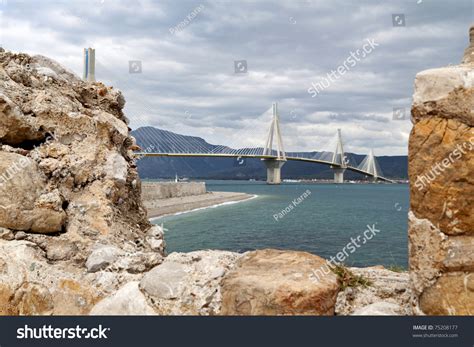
<point x="230" y="155"/>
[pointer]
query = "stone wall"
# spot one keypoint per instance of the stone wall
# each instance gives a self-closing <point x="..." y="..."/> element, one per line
<point x="164" y="190"/>
<point x="441" y="163"/>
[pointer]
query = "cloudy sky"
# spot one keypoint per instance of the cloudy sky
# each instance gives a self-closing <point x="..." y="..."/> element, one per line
<point x="187" y="50"/>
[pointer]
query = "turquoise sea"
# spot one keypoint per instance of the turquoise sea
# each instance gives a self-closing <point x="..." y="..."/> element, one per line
<point x="321" y="221"/>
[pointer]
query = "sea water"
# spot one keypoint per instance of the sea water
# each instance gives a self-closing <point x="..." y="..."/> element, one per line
<point x="318" y="218"/>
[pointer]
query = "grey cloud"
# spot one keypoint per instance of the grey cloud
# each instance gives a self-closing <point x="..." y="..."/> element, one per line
<point x="287" y="44"/>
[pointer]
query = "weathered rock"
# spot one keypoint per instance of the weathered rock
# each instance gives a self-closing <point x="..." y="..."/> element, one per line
<point x="33" y="299"/>
<point x="156" y="231"/>
<point x="60" y="250"/>
<point x="274" y="282"/>
<point x="128" y="300"/>
<point x="444" y="93"/>
<point x="20" y="235"/>
<point x="74" y="296"/>
<point x="388" y="294"/>
<point x="101" y="257"/>
<point x="15" y="127"/>
<point x="68" y="181"/>
<point x="24" y="197"/>
<point x="459" y="254"/>
<point x="39" y="62"/>
<point x="452" y="294"/>
<point x="138" y="262"/>
<point x="6" y="234"/>
<point x="6" y="303"/>
<point x="116" y="167"/>
<point x="427" y="251"/>
<point x="154" y="238"/>
<point x="29" y="285"/>
<point x="380" y="308"/>
<point x="165" y="281"/>
<point x="75" y="138"/>
<point x="188" y="283"/>
<point x="441" y="163"/>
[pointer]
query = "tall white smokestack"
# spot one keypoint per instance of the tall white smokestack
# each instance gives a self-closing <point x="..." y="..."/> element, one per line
<point x="89" y="65"/>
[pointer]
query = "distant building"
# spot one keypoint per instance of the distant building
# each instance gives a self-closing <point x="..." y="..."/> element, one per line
<point x="89" y="65"/>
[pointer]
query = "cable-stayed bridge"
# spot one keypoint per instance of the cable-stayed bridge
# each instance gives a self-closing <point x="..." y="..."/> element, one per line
<point x="273" y="154"/>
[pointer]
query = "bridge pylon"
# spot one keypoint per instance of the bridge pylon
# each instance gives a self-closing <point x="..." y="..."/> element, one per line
<point x="370" y="165"/>
<point x="275" y="164"/>
<point x="339" y="159"/>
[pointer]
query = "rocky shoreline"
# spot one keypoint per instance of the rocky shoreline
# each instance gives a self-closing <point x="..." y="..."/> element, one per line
<point x="212" y="282"/>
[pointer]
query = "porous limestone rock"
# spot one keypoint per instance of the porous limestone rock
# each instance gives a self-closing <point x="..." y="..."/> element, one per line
<point x="29" y="285"/>
<point x="58" y="249"/>
<point x="128" y="300"/>
<point x="25" y="203"/>
<point x="6" y="234"/>
<point x="76" y="136"/>
<point x="20" y="235"/>
<point x="379" y="308"/>
<point x="101" y="257"/>
<point x="15" y="128"/>
<point x="460" y="254"/>
<point x="389" y="293"/>
<point x="155" y="239"/>
<point x="188" y="283"/>
<point x="275" y="282"/>
<point x="451" y="294"/>
<point x="427" y="252"/>
<point x="441" y="166"/>
<point x="68" y="182"/>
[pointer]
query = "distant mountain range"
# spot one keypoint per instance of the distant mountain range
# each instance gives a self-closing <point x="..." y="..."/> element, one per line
<point x="229" y="168"/>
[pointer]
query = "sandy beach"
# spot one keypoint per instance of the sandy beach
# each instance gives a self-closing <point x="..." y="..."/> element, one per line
<point x="163" y="207"/>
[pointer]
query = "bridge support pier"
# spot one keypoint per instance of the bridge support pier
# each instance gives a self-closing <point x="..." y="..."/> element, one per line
<point x="273" y="170"/>
<point x="339" y="175"/>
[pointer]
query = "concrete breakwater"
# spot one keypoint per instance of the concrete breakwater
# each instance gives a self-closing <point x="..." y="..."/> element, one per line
<point x="165" y="198"/>
<point x="164" y="190"/>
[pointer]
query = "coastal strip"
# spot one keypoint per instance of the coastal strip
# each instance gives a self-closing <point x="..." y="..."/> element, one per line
<point x="164" y="207"/>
